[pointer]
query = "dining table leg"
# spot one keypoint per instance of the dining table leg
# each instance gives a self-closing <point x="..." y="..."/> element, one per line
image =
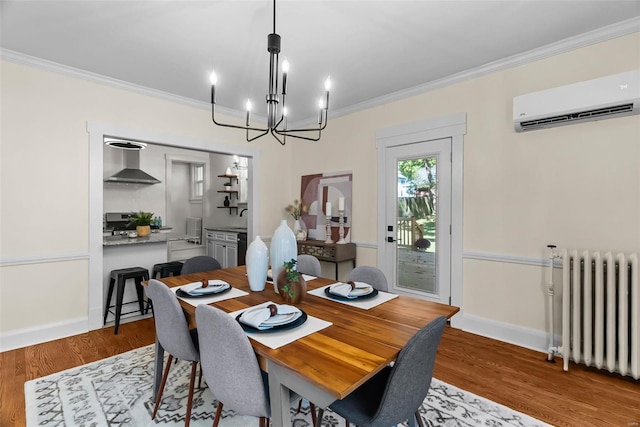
<point x="281" y="382"/>
<point x="157" y="368"/>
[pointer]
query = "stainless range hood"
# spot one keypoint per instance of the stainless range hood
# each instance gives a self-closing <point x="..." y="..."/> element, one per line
<point x="132" y="173"/>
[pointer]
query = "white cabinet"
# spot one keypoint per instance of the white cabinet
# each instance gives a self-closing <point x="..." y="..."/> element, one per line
<point x="223" y="246"/>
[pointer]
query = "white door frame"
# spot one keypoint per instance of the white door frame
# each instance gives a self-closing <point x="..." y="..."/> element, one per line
<point x="441" y="149"/>
<point x="452" y="126"/>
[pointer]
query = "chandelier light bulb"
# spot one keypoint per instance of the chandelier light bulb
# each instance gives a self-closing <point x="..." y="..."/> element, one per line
<point x="248" y="112"/>
<point x="327" y="84"/>
<point x="284" y="111"/>
<point x="213" y="77"/>
<point x="285" y="66"/>
<point x="320" y="106"/>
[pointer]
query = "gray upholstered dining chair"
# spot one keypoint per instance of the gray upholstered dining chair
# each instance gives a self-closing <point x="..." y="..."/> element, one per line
<point x="395" y="394"/>
<point x="230" y="366"/>
<point x="371" y="275"/>
<point x="200" y="263"/>
<point x="308" y="264"/>
<point x="173" y="333"/>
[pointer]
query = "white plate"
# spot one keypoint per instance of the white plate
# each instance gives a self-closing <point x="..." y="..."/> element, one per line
<point x="281" y="319"/>
<point x="358" y="292"/>
<point x="214" y="287"/>
<point x="355" y="293"/>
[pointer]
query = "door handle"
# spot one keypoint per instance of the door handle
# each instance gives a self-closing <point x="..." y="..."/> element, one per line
<point x="390" y="239"/>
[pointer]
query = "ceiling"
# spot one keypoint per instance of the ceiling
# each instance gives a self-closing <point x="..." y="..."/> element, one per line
<point x="371" y="49"/>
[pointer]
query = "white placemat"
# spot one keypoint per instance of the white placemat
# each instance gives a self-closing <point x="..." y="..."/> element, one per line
<point x="278" y="339"/>
<point x="364" y="304"/>
<point x="233" y="293"/>
<point x="306" y="278"/>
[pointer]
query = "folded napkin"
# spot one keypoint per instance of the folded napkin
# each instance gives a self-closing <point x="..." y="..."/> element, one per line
<point x="255" y="316"/>
<point x="214" y="286"/>
<point x="344" y="289"/>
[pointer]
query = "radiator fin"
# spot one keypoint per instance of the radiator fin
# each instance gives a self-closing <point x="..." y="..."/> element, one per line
<point x="600" y="311"/>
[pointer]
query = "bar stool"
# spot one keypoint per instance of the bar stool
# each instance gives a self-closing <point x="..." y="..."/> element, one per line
<point x="119" y="278"/>
<point x="167" y="269"/>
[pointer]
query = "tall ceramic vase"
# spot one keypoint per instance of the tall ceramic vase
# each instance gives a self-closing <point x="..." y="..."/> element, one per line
<point x="300" y="230"/>
<point x="257" y="264"/>
<point x="283" y="248"/>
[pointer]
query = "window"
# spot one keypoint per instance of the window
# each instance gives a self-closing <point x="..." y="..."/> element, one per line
<point x="197" y="182"/>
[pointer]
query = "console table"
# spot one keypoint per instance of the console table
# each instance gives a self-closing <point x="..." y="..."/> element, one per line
<point x="328" y="252"/>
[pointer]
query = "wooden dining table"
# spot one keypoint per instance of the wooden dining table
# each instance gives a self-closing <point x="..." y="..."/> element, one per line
<point x="328" y="364"/>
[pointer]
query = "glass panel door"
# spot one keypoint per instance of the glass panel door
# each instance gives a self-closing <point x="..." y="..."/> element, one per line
<point x="421" y="216"/>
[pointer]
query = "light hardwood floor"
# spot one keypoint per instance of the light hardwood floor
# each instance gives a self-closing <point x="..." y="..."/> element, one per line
<point x="510" y="375"/>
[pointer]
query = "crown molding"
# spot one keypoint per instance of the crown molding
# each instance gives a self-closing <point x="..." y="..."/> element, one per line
<point x="32" y="61"/>
<point x="609" y="32"/>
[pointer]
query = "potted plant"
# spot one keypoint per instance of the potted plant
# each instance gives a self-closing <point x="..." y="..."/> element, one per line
<point x="291" y="285"/>
<point x="142" y="221"/>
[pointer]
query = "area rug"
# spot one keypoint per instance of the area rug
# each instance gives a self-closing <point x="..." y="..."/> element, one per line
<point x="117" y="392"/>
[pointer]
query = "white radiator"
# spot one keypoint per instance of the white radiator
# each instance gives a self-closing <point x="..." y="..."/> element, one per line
<point x="600" y="311"/>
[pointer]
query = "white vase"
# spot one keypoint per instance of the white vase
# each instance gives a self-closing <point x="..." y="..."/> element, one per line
<point x="257" y="264"/>
<point x="283" y="249"/>
<point x="299" y="230"/>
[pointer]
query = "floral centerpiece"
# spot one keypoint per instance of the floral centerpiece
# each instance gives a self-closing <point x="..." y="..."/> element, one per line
<point x="296" y="210"/>
<point x="291" y="285"/>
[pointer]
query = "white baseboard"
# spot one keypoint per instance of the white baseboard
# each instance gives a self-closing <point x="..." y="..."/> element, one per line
<point x="517" y="335"/>
<point x="520" y="336"/>
<point x="36" y="335"/>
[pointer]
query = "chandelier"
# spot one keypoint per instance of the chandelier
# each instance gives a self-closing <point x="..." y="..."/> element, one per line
<point x="276" y="105"/>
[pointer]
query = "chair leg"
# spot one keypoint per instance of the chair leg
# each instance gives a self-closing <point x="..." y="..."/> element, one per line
<point x="216" y="419"/>
<point x="110" y="294"/>
<point x="419" y="419"/>
<point x="140" y="294"/>
<point x="119" y="295"/>
<point x="200" y="378"/>
<point x="192" y="381"/>
<point x="318" y="422"/>
<point x="164" y="381"/>
<point x="312" y="408"/>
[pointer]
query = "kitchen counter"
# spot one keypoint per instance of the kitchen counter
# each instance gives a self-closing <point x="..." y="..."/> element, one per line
<point x="151" y="238"/>
<point x="228" y="229"/>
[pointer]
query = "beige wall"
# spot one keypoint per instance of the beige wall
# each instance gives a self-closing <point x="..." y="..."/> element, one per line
<point x="575" y="186"/>
<point x="44" y="173"/>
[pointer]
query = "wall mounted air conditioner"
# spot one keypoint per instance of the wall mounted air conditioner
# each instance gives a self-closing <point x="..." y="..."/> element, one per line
<point x="603" y="98"/>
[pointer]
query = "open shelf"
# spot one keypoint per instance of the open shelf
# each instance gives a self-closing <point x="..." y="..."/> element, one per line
<point x="229" y="207"/>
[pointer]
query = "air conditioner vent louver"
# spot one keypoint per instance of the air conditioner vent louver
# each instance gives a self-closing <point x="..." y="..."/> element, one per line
<point x="608" y="97"/>
<point x="583" y="115"/>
